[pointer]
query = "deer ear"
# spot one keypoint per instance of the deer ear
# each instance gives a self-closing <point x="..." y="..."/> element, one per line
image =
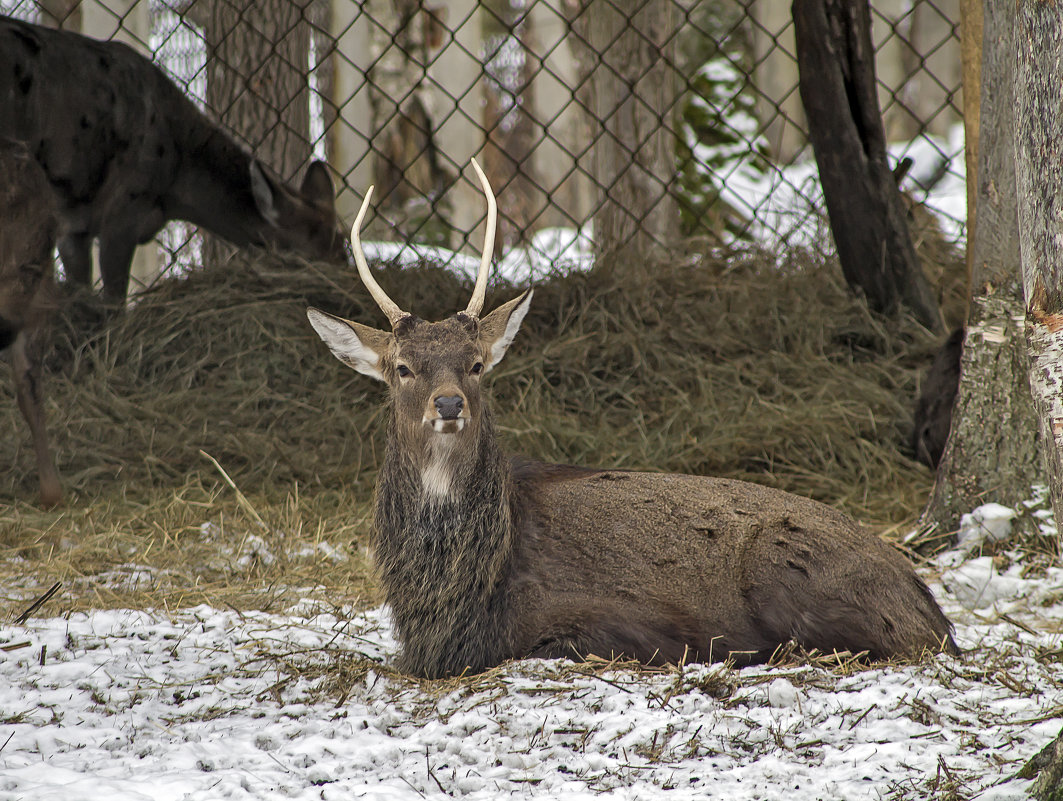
<point x="264" y="193"/>
<point x="317" y="185"/>
<point x="498" y="329"/>
<point x="357" y="346"/>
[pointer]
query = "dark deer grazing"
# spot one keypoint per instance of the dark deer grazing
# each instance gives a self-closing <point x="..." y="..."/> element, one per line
<point x="125" y="151"/>
<point x="484" y="558"/>
<point x="27" y="231"/>
<point x="933" y="410"/>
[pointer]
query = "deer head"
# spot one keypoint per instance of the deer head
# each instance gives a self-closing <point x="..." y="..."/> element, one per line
<point x="433" y="369"/>
<point x="302" y="220"/>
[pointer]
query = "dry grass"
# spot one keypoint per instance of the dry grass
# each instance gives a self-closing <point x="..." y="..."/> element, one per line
<point x="732" y="367"/>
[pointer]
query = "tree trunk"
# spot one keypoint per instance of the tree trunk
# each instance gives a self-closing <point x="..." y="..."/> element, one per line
<point x="65" y="14"/>
<point x="257" y="85"/>
<point x="971" y="54"/>
<point x="511" y="130"/>
<point x="1046" y="769"/>
<point x="257" y="82"/>
<point x="408" y="174"/>
<point x="631" y="72"/>
<point x="993" y="449"/>
<point x="1039" y="182"/>
<point x="837" y="83"/>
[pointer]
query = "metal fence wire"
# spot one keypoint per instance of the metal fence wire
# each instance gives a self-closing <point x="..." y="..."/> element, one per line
<point x="401" y="93"/>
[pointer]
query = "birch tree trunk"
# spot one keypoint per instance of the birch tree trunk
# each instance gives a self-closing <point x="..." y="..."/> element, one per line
<point x="1039" y="182"/>
<point x="867" y="217"/>
<point x="630" y="68"/>
<point x="1046" y="769"/>
<point x="993" y="449"/>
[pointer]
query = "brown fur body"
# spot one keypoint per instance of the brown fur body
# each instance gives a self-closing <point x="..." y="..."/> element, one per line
<point x="27" y="231"/>
<point x="663" y="567"/>
<point x="124" y="151"/>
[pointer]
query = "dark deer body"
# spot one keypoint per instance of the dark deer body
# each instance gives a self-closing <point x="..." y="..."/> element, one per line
<point x="27" y="231"/>
<point x="484" y="559"/>
<point x="125" y="151"/>
<point x="933" y="410"/>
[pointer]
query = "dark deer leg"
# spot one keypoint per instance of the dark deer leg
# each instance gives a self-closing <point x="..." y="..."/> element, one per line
<point x="27" y="373"/>
<point x="116" y="256"/>
<point x="76" y="252"/>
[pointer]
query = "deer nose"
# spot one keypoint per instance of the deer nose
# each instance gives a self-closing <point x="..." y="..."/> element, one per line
<point x="449" y="406"/>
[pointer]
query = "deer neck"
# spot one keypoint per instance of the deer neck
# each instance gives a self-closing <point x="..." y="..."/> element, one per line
<point x="443" y="558"/>
<point x="213" y="187"/>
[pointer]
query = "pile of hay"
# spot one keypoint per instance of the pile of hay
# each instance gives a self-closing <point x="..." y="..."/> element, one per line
<point x="734" y="367"/>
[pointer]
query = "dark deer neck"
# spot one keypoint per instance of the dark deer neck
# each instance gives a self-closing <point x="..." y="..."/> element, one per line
<point x="213" y="185"/>
<point x="444" y="562"/>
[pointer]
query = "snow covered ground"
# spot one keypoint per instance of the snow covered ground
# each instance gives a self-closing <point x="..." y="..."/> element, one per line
<point x="214" y="704"/>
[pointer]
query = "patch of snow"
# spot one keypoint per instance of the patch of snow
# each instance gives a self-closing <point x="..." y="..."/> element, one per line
<point x="207" y="704"/>
<point x="1040" y="506"/>
<point x="782" y="693"/>
<point x="990" y="522"/>
<point x="551" y="250"/>
<point x="976" y="584"/>
<point x="254" y="550"/>
<point x="786" y="204"/>
<point x="413" y="254"/>
<point x="324" y="549"/>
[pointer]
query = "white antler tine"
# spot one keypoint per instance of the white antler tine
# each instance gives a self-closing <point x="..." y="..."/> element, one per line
<point x="477" y="303"/>
<point x="386" y="304"/>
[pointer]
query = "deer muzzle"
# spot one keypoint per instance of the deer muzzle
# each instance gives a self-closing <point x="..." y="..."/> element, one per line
<point x="447" y="414"/>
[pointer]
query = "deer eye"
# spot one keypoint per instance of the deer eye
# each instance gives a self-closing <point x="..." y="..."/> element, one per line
<point x="404" y="371"/>
<point x="477" y="368"/>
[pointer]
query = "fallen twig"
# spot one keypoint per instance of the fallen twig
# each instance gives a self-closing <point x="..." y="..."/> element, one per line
<point x="33" y="607"/>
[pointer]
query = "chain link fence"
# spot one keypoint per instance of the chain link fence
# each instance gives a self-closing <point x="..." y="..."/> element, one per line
<point x="402" y="93"/>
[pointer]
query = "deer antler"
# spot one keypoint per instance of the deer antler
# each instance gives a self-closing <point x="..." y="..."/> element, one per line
<point x="477" y="302"/>
<point x="386" y="304"/>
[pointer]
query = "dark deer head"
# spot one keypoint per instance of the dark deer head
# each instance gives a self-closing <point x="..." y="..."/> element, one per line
<point x="304" y="220"/>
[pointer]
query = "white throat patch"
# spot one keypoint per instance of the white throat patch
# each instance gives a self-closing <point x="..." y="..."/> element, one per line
<point x="437" y="476"/>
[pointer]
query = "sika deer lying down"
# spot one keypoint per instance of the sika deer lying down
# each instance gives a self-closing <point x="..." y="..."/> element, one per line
<point x="484" y="558"/>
